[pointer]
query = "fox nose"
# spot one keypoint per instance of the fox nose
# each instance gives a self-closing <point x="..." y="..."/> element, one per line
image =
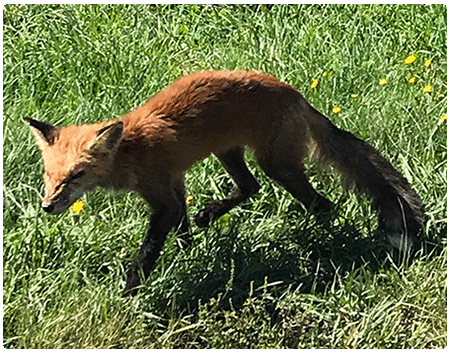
<point x="47" y="206"/>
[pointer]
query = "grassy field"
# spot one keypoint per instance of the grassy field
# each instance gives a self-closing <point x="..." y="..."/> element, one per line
<point x="266" y="275"/>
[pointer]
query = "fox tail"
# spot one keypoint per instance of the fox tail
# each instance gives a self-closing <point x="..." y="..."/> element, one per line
<point x="399" y="206"/>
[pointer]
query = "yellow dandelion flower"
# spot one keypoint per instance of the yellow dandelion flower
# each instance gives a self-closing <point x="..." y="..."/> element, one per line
<point x="443" y="119"/>
<point x="440" y="95"/>
<point x="412" y="80"/>
<point x="427" y="63"/>
<point x="77" y="207"/>
<point x="410" y="59"/>
<point x="324" y="74"/>
<point x="383" y="81"/>
<point x="189" y="198"/>
<point x="354" y="95"/>
<point x="314" y="83"/>
<point x="336" y="110"/>
<point x="427" y="89"/>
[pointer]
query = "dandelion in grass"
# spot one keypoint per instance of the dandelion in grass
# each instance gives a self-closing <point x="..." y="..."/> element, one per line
<point x="428" y="89"/>
<point x="443" y="119"/>
<point x="427" y="63"/>
<point x="77" y="207"/>
<point x="412" y="80"/>
<point x="354" y="95"/>
<point x="314" y="83"/>
<point x="410" y="59"/>
<point x="383" y="81"/>
<point x="324" y="74"/>
<point x="336" y="110"/>
<point x="189" y="198"/>
<point x="440" y="95"/>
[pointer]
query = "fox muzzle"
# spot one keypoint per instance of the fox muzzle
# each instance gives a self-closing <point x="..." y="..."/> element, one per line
<point x="47" y="206"/>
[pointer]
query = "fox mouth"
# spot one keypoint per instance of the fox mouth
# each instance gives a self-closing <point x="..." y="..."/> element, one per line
<point x="59" y="201"/>
<point x="53" y="208"/>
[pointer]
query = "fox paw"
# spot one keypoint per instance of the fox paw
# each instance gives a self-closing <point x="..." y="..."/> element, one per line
<point x="203" y="218"/>
<point x="132" y="284"/>
<point x="209" y="213"/>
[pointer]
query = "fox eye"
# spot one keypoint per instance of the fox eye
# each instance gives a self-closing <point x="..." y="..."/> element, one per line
<point x="71" y="178"/>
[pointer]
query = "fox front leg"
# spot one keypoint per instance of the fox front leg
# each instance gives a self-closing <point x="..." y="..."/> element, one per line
<point x="166" y="215"/>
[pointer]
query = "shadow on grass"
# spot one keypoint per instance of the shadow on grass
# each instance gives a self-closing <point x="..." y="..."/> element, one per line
<point x="305" y="259"/>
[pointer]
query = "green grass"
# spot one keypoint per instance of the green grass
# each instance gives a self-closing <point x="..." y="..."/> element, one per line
<point x="266" y="274"/>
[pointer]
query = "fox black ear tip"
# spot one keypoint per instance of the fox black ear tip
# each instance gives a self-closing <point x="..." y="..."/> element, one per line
<point x="29" y="121"/>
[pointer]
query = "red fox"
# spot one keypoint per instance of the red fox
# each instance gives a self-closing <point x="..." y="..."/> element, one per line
<point x="216" y="112"/>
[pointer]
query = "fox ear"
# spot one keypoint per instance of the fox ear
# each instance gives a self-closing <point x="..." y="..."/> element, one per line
<point x="45" y="133"/>
<point x="108" y="138"/>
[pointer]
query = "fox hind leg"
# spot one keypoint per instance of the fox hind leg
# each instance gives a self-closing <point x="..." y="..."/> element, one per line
<point x="246" y="185"/>
<point x="288" y="171"/>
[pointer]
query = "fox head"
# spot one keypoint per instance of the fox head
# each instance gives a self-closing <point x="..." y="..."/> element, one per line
<point x="76" y="159"/>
